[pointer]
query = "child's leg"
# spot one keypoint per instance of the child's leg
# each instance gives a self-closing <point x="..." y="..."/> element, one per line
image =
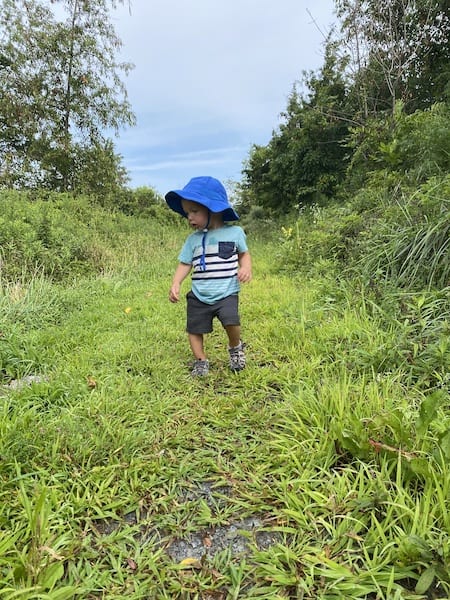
<point x="234" y="335"/>
<point x="235" y="348"/>
<point x="196" y="343"/>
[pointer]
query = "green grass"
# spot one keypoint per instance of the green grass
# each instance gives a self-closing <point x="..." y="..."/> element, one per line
<point x="103" y="459"/>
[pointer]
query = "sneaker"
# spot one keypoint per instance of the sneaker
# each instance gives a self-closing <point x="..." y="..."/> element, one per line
<point x="200" y="368"/>
<point x="237" y="357"/>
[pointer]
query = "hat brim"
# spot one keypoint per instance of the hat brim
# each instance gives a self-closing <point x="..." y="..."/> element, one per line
<point x="174" y="198"/>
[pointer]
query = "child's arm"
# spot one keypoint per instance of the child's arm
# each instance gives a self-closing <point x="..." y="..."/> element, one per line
<point x="245" y="267"/>
<point x="181" y="272"/>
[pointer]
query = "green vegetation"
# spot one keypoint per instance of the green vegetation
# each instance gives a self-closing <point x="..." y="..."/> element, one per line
<point x="321" y="471"/>
<point x="378" y="103"/>
<point x="61" y="96"/>
<point x="335" y="440"/>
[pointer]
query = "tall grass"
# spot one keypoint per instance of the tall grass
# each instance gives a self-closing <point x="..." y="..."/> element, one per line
<point x="410" y="245"/>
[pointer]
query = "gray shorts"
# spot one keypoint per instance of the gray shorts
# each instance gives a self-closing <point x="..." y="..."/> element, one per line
<point x="200" y="315"/>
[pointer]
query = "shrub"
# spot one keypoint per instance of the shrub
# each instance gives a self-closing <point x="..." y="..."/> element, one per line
<point x="412" y="148"/>
<point x="60" y="236"/>
<point x="144" y="202"/>
<point x="423" y="142"/>
<point x="319" y="236"/>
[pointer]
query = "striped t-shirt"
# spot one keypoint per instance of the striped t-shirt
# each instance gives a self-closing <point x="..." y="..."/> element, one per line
<point x="217" y="277"/>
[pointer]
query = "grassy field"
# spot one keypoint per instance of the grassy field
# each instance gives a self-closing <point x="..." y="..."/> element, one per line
<point x="311" y="474"/>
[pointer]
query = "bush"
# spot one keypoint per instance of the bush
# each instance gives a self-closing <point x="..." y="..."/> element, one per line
<point x="423" y="146"/>
<point x="411" y="148"/>
<point x="54" y="238"/>
<point x="320" y="236"/>
<point x="144" y="202"/>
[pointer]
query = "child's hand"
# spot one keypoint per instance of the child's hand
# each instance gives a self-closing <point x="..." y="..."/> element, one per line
<point x="174" y="293"/>
<point x="244" y="275"/>
<point x="181" y="273"/>
<point x="245" y="268"/>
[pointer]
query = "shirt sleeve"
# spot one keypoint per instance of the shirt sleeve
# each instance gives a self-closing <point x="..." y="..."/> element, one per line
<point x="186" y="253"/>
<point x="241" y="241"/>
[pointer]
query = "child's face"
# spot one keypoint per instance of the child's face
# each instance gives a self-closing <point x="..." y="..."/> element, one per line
<point x="197" y="214"/>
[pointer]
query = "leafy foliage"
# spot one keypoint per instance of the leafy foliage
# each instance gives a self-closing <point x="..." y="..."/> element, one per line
<point x="305" y="159"/>
<point x="397" y="50"/>
<point x="144" y="202"/>
<point x="61" y="236"/>
<point x="398" y="236"/>
<point x="60" y="91"/>
<point x="400" y="147"/>
<point x="389" y="245"/>
<point x="409" y="242"/>
<point x="378" y="103"/>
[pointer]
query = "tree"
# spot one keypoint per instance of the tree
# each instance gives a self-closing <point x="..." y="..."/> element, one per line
<point x="97" y="170"/>
<point x="396" y="48"/>
<point x="60" y="88"/>
<point x="21" y="99"/>
<point x="256" y="184"/>
<point x="305" y="158"/>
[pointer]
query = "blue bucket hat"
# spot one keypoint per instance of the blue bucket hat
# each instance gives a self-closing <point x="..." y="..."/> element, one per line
<point x="208" y="192"/>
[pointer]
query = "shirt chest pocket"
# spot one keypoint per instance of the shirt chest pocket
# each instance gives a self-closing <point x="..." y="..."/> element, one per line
<point x="226" y="250"/>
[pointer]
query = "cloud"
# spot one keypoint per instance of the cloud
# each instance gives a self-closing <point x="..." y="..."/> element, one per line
<point x="176" y="168"/>
<point x="211" y="78"/>
<point x="216" y="156"/>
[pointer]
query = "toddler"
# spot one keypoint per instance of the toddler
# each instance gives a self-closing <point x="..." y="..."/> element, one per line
<point x="218" y="256"/>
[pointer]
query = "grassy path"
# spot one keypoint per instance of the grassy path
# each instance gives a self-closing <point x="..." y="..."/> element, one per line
<point x="123" y="477"/>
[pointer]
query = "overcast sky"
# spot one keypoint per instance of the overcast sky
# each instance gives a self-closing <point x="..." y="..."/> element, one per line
<point x="211" y="78"/>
